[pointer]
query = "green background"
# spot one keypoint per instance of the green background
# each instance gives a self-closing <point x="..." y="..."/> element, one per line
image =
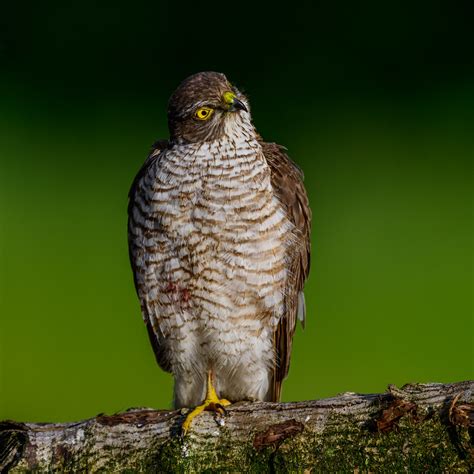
<point x="374" y="100"/>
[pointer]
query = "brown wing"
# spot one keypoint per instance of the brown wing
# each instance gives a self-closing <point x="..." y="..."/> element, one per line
<point x="287" y="182"/>
<point x="136" y="251"/>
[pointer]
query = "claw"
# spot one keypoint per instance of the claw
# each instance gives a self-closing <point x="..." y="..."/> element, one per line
<point x="220" y="409"/>
<point x="211" y="403"/>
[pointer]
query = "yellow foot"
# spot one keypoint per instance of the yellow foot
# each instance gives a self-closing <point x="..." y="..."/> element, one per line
<point x="211" y="403"/>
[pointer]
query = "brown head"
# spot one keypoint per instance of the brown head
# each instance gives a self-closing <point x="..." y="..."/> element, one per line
<point x="202" y="104"/>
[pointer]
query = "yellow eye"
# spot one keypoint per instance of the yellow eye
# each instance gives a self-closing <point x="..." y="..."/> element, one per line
<point x="203" y="113"/>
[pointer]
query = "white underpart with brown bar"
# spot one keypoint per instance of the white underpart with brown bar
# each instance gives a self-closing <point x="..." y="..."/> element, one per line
<point x="215" y="262"/>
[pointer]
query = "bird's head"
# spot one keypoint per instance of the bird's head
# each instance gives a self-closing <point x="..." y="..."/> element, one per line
<point x="204" y="107"/>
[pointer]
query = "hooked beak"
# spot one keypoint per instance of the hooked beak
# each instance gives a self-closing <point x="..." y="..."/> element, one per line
<point x="232" y="103"/>
<point x="237" y="105"/>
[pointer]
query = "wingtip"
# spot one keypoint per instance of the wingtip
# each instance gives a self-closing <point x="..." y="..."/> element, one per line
<point x="301" y="309"/>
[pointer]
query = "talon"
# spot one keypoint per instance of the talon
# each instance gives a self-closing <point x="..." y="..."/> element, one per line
<point x="211" y="403"/>
<point x="220" y="409"/>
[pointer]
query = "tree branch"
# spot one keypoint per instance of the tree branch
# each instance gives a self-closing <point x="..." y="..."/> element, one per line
<point x="415" y="428"/>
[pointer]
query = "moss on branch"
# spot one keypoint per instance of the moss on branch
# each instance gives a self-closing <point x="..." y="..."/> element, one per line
<point x="419" y="428"/>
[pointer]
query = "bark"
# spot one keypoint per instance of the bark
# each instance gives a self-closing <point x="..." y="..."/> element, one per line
<point x="418" y="428"/>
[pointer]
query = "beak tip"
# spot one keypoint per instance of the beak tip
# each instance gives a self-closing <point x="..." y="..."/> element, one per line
<point x="239" y="105"/>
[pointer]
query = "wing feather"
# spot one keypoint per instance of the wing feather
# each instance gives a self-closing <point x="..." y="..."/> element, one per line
<point x="287" y="182"/>
<point x="136" y="251"/>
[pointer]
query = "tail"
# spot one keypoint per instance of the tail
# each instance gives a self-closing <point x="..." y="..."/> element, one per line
<point x="275" y="390"/>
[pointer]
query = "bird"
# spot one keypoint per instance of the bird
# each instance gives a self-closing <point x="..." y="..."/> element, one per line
<point x="219" y="230"/>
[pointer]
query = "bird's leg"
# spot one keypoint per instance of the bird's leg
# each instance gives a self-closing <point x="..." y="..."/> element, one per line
<point x="211" y="403"/>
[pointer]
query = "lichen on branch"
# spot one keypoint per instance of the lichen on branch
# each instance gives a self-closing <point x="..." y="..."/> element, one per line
<point x="420" y="427"/>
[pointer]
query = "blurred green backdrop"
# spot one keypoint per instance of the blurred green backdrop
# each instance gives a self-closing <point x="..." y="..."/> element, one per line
<point x="375" y="102"/>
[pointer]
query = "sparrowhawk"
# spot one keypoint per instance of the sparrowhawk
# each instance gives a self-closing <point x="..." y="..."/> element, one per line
<point x="219" y="242"/>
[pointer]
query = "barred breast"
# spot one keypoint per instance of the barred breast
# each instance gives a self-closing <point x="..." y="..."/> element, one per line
<point x="211" y="240"/>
